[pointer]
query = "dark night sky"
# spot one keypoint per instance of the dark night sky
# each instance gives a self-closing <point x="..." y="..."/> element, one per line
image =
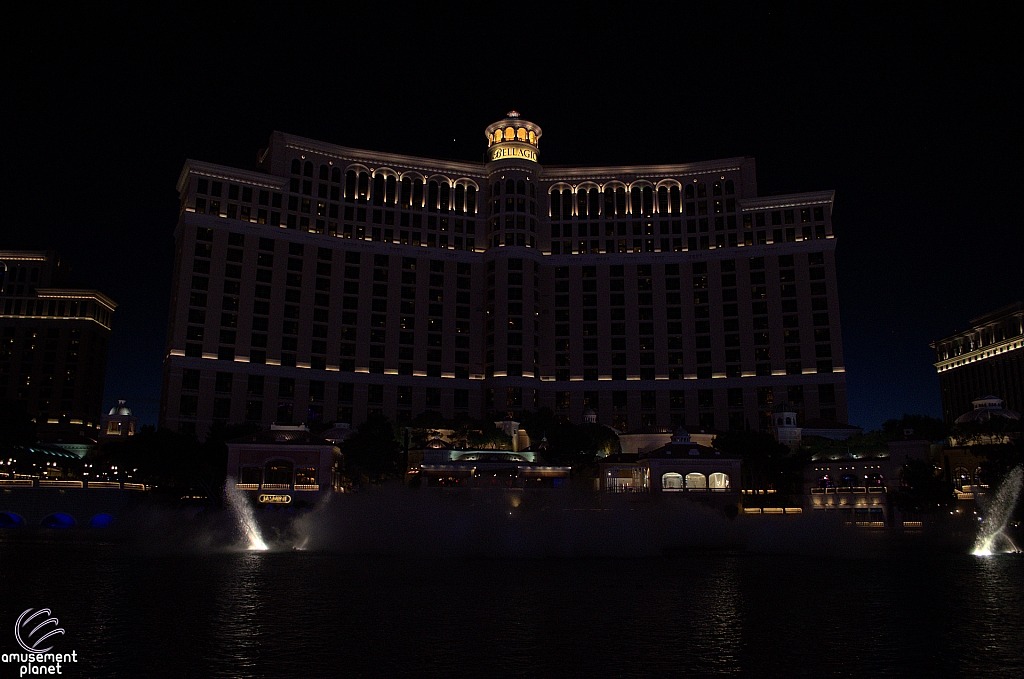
<point x="908" y="117"/>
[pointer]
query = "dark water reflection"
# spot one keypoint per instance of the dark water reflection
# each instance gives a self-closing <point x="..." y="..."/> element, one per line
<point x="230" y="614"/>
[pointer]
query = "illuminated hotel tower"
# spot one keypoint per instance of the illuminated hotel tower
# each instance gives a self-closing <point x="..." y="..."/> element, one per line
<point x="332" y="283"/>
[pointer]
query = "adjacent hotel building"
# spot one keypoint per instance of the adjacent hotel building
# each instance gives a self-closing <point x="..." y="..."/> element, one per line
<point x="53" y="344"/>
<point x="331" y="283"/>
<point x="985" y="360"/>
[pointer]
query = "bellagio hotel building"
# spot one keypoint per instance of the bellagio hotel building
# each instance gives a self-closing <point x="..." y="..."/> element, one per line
<point x="332" y="283"/>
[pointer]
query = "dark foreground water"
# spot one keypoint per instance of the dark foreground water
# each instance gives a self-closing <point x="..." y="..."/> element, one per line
<point x="130" y="612"/>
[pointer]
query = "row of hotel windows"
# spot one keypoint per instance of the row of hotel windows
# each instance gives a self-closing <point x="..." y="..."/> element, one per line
<point x="385" y="189"/>
<point x="588" y="203"/>
<point x="326" y="214"/>
<point x="700" y="283"/>
<point x="732" y="240"/>
<point x="37" y="356"/>
<point x="13" y="278"/>
<point x="702" y="337"/>
<point x="382" y="222"/>
<point x="290" y="324"/>
<point x="256" y="391"/>
<point x="440" y="197"/>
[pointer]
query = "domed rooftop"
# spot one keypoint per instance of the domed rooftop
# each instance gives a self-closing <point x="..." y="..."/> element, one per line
<point x="987" y="408"/>
<point x="121" y="408"/>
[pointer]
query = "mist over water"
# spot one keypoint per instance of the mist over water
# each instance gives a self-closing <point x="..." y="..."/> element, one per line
<point x="992" y="536"/>
<point x="396" y="521"/>
<point x="398" y="582"/>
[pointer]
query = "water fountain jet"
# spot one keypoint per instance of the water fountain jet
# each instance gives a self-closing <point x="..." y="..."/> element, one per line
<point x="998" y="514"/>
<point x="242" y="510"/>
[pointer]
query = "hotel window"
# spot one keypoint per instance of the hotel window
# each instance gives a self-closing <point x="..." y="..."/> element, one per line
<point x="190" y="379"/>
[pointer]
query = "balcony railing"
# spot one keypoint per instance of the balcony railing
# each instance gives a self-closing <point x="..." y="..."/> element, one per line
<point x="279" y="486"/>
<point x="65" y="484"/>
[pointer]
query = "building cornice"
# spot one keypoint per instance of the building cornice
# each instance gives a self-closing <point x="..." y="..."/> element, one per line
<point x="555" y="173"/>
<point x="230" y="174"/>
<point x="381" y="158"/>
<point x="23" y="256"/>
<point x="787" y="200"/>
<point x="69" y="293"/>
<point x="986" y="352"/>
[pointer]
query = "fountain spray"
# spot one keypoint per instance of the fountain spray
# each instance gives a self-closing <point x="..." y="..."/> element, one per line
<point x="998" y="514"/>
<point x="242" y="510"/>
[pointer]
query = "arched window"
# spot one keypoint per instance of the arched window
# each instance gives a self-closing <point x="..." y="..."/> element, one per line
<point x="510" y="134"/>
<point x="444" y="196"/>
<point x="521" y="134"/>
<point x="497" y="136"/>
<point x="718" y="481"/>
<point x="730" y="188"/>
<point x="556" y="204"/>
<point x="510" y="186"/>
<point x="364" y="186"/>
<point x="635" y="198"/>
<point x="533" y="137"/>
<point x="595" y="202"/>
<point x="417" y="194"/>
<point x="672" y="481"/>
<point x="471" y="199"/>
<point x="378" y="190"/>
<point x="432" y="195"/>
<point x="696" y="481"/>
<point x="716" y="190"/>
<point x="581" y="204"/>
<point x="350" y="185"/>
<point x="648" y="194"/>
<point x="521" y="187"/>
<point x="609" y="203"/>
<point x="307" y="169"/>
<point x="620" y="201"/>
<point x="460" y="198"/>
<point x="405" y="198"/>
<point x="496" y="189"/>
<point x="566" y="204"/>
<point x="296" y="166"/>
<point x="663" y="200"/>
<point x="848" y="481"/>
<point x="533" y="191"/>
<point x="826" y="481"/>
<point x="390" y="188"/>
<point x="702" y="190"/>
<point x="324" y="172"/>
<point x="674" y="199"/>
<point x="689" y="191"/>
<point x="336" y="175"/>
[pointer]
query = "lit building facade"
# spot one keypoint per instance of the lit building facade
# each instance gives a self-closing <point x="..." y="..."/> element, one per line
<point x="987" y="358"/>
<point x="53" y="344"/>
<point x="333" y="283"/>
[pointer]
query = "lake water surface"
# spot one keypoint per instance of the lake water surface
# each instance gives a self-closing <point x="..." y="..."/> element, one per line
<point x="131" y="612"/>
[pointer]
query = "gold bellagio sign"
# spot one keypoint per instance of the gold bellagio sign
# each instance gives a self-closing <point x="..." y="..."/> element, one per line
<point x="502" y="152"/>
<point x="275" y="499"/>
